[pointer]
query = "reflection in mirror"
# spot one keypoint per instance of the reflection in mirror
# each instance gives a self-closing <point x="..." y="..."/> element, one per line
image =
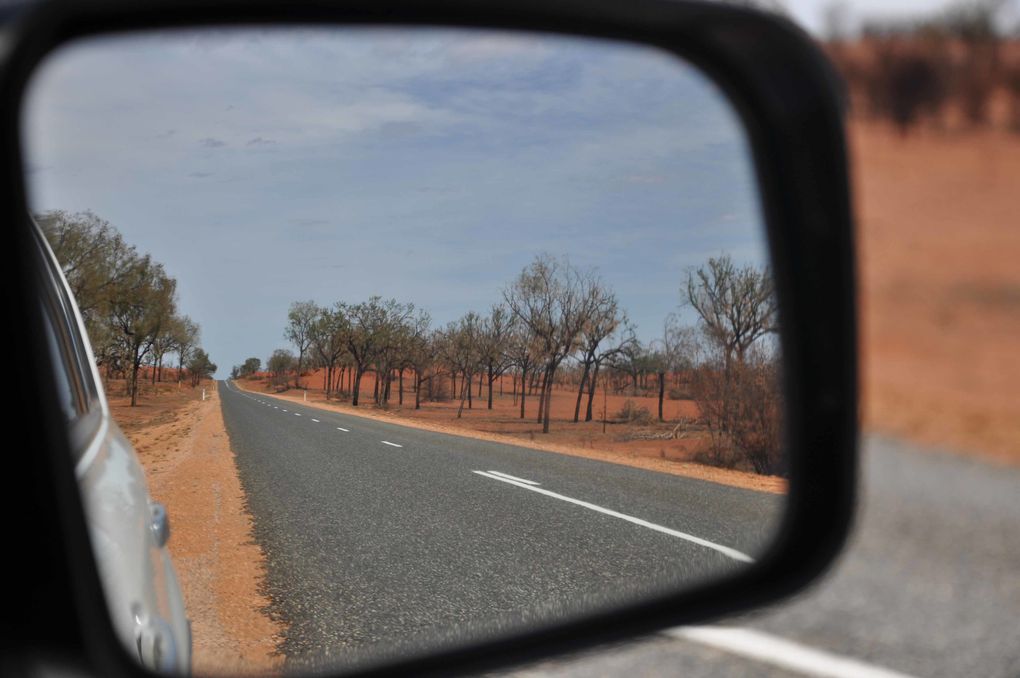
<point x="420" y="336"/>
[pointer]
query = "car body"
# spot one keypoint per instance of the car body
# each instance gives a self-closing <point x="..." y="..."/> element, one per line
<point x="128" y="531"/>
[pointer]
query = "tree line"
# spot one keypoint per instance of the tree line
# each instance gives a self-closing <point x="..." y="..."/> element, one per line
<point x="908" y="72"/>
<point x="558" y="325"/>
<point x="127" y="301"/>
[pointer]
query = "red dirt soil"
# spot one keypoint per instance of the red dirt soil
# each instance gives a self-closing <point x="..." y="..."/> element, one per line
<point x="617" y="444"/>
<point x="939" y="243"/>
<point x="189" y="467"/>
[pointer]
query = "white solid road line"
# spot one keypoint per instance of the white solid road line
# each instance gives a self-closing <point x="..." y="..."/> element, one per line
<point x="507" y="475"/>
<point x="725" y="550"/>
<point x="341" y="428"/>
<point x="386" y="442"/>
<point x="785" y="654"/>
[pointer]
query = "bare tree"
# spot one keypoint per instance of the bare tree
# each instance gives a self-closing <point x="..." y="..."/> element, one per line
<point x="521" y="352"/>
<point x="495" y="337"/>
<point x="737" y="305"/>
<point x="419" y="353"/>
<point x="602" y="318"/>
<point x="549" y="296"/>
<point x="619" y="342"/>
<point x="678" y="352"/>
<point x="737" y="387"/>
<point x="461" y="348"/>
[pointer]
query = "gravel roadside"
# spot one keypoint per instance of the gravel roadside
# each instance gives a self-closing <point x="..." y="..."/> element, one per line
<point x="191" y="469"/>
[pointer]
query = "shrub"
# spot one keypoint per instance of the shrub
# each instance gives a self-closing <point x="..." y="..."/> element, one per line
<point x="633" y="413"/>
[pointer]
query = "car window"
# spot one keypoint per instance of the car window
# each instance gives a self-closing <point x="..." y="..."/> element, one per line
<point x="77" y="393"/>
<point x="69" y="395"/>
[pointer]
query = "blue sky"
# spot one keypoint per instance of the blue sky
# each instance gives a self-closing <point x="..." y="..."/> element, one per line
<point x="264" y="167"/>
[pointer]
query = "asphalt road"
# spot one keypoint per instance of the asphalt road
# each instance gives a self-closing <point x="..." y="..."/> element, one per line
<point x="380" y="537"/>
<point x="929" y="585"/>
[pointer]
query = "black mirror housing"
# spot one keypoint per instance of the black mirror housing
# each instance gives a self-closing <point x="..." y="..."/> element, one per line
<point x="791" y="104"/>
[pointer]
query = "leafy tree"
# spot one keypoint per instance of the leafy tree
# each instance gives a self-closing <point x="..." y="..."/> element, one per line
<point x="329" y="334"/>
<point x="300" y="317"/>
<point x="279" y="365"/>
<point x="199" y="366"/>
<point x="249" y="367"/>
<point x="141" y="303"/>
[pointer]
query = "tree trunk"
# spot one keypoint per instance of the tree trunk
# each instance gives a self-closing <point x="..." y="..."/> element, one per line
<point x="541" y="396"/>
<point x="135" y="367"/>
<point x="662" y="391"/>
<point x="524" y="389"/>
<point x="591" y="391"/>
<point x="548" y="400"/>
<point x="580" y="390"/>
<point x="400" y="387"/>
<point x="357" y="385"/>
<point x="464" y="389"/>
<point x="490" y="386"/>
<point x="417" y="390"/>
<point x="468" y="385"/>
<point x="545" y="394"/>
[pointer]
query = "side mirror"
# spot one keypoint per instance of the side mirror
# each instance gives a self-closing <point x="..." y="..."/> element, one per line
<point x="787" y="102"/>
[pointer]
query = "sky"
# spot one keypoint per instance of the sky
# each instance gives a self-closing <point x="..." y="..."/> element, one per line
<point x="266" y="167"/>
<point x="810" y="13"/>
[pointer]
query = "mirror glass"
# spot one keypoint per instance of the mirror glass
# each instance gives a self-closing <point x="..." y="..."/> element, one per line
<point x="411" y="337"/>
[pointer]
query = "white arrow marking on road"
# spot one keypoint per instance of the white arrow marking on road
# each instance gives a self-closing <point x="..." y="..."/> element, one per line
<point x="386" y="442"/>
<point x="725" y="550"/>
<point x="507" y="475"/>
<point x="780" y="652"/>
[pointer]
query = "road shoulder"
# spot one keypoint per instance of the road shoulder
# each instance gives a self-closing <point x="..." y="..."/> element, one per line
<point x="191" y="469"/>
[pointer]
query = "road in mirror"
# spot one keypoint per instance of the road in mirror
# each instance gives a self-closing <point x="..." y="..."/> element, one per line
<point x="419" y="335"/>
